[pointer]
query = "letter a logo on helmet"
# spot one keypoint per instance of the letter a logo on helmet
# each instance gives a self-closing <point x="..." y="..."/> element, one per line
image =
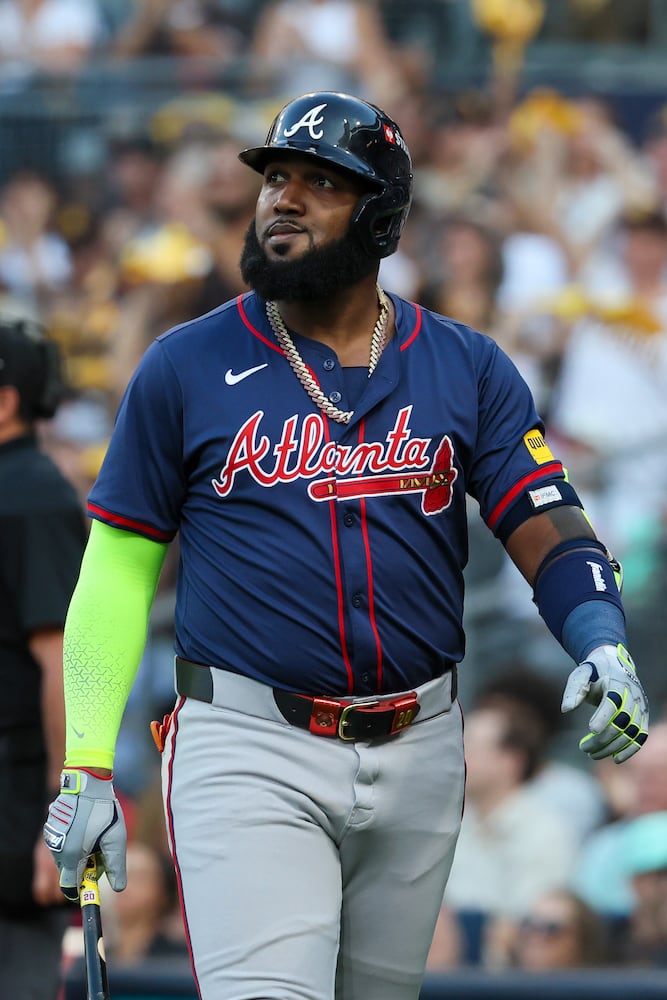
<point x="355" y="137"/>
<point x="309" y="121"/>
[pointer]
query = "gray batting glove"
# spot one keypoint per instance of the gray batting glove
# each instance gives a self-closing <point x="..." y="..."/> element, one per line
<point x="86" y="818"/>
<point x="607" y="678"/>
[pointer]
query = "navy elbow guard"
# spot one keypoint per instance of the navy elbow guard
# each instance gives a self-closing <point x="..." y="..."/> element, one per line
<point x="574" y="573"/>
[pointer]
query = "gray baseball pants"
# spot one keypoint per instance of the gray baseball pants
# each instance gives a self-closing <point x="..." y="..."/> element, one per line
<point x="310" y="868"/>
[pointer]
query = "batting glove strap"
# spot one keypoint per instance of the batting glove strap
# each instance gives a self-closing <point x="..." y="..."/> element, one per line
<point x="84" y="819"/>
<point x="607" y="678"/>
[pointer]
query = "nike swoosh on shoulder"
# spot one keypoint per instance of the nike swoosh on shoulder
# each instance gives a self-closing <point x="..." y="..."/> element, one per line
<point x="232" y="379"/>
<point x="77" y="733"/>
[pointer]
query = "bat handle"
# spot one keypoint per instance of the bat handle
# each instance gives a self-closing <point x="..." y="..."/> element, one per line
<point x="91" y="919"/>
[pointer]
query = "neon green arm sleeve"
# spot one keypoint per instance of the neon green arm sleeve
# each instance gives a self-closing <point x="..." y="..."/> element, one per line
<point x="105" y="635"/>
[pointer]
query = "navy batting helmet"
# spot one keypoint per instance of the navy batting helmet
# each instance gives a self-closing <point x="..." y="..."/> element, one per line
<point x="355" y="136"/>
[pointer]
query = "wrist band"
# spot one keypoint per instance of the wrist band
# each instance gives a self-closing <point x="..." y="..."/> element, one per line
<point x="576" y="572"/>
<point x="591" y="624"/>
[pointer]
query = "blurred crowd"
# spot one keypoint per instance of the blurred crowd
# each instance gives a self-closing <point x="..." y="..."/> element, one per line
<point x="538" y="218"/>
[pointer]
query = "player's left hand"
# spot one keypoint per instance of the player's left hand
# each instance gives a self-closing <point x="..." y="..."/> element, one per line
<point x="607" y="678"/>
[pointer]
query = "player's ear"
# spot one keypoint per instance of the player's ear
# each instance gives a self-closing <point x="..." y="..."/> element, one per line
<point x="10" y="403"/>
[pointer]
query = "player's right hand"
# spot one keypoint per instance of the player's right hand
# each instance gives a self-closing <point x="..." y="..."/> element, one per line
<point x="86" y="818"/>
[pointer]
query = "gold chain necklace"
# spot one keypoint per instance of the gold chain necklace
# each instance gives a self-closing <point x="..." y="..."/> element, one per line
<point x="302" y="371"/>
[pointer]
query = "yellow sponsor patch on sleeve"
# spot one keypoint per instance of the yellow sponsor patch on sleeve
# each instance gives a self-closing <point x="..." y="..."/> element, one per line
<point x="537" y="446"/>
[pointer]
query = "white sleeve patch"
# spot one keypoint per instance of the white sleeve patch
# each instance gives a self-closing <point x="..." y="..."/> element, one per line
<point x="547" y="494"/>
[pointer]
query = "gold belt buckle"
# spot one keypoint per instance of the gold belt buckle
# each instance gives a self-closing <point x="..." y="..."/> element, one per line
<point x="342" y="721"/>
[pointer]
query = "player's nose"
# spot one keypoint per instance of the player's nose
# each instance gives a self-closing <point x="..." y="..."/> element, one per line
<point x="289" y="198"/>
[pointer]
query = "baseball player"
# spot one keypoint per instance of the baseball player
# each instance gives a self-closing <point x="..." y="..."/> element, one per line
<point x="312" y="443"/>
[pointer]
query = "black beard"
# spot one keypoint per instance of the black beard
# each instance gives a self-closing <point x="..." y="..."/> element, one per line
<point x="320" y="274"/>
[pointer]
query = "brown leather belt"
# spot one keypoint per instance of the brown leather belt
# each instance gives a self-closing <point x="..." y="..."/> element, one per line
<point x="367" y="719"/>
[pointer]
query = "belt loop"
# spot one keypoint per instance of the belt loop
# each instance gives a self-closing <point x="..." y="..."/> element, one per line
<point x="194" y="680"/>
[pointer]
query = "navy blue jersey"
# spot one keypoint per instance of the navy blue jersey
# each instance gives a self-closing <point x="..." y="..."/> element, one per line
<point x="317" y="556"/>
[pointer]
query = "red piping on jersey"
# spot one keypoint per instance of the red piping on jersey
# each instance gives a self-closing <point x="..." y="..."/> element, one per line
<point x="339" y="588"/>
<point x="269" y="343"/>
<point x="118" y="521"/>
<point x="339" y="598"/>
<point x="371" y="592"/>
<point x="369" y="574"/>
<point x="254" y="330"/>
<point x="172" y="840"/>
<point x="552" y="469"/>
<point x="416" y="328"/>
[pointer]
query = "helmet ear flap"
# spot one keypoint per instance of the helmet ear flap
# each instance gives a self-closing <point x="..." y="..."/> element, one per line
<point x="378" y="220"/>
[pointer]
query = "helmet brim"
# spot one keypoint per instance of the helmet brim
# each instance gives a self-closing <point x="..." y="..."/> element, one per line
<point x="257" y="157"/>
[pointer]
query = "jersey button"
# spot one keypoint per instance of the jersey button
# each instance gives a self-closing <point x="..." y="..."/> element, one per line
<point x="348" y="520"/>
<point x="328" y="364"/>
<point x="357" y="600"/>
<point x="335" y="396"/>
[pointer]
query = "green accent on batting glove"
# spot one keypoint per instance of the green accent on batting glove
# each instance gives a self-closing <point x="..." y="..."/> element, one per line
<point x="607" y="678"/>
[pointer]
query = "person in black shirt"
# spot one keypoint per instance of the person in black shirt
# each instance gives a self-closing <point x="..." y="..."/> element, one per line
<point x="42" y="537"/>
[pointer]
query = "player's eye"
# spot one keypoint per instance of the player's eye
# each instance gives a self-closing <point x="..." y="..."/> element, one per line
<point x="324" y="182"/>
<point x="274" y="176"/>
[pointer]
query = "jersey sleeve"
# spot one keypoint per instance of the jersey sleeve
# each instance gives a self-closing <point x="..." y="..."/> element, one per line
<point x="513" y="467"/>
<point x="141" y="484"/>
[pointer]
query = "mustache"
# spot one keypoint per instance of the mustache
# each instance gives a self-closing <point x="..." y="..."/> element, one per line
<point x="283" y="223"/>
